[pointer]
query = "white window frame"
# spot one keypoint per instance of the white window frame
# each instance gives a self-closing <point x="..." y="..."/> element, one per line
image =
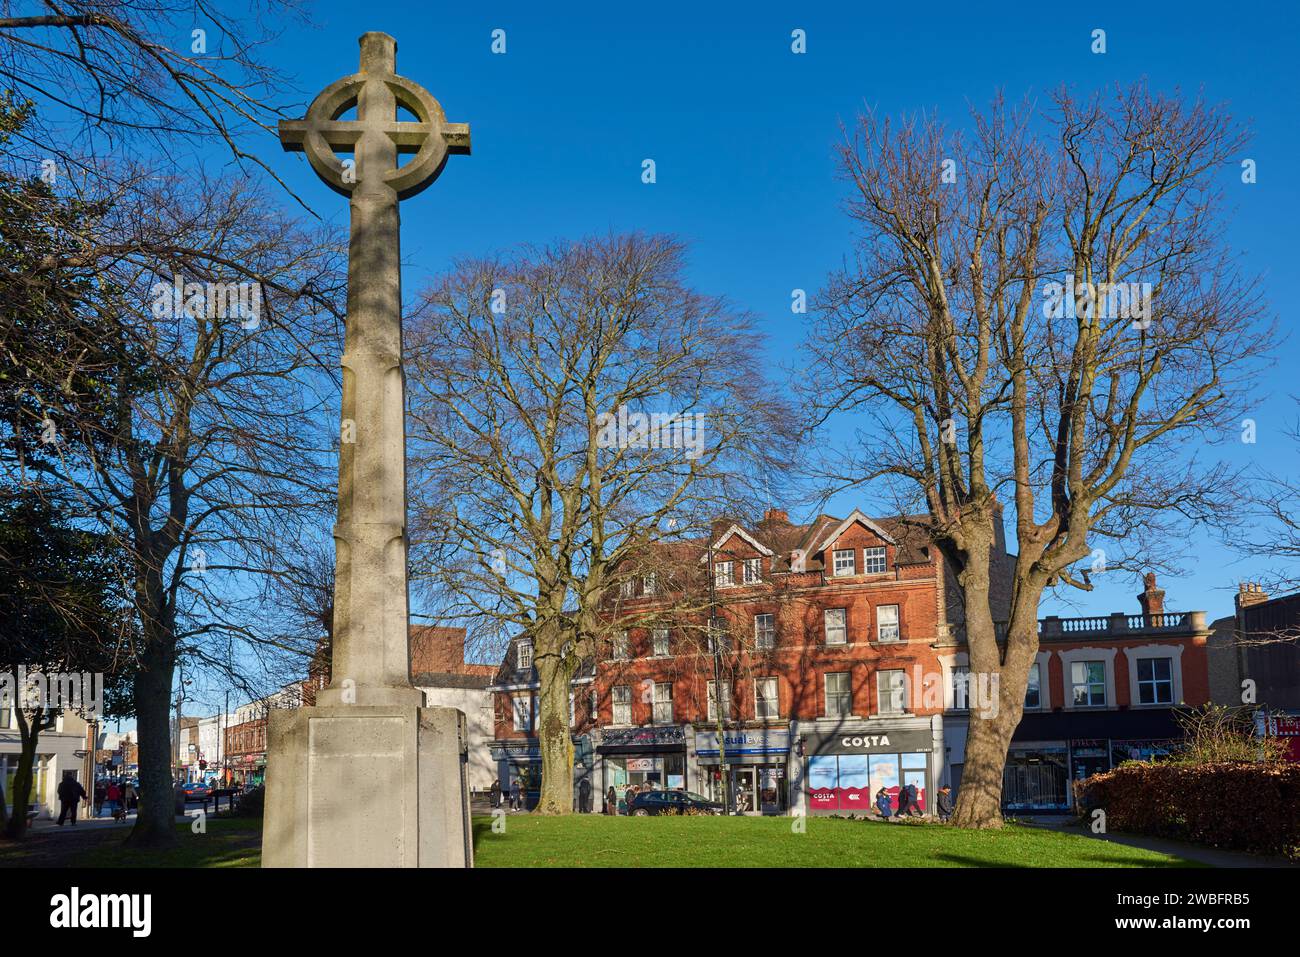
<point x="842" y="628"/>
<point x="649" y="583"/>
<point x="1035" y="669"/>
<point x="619" y="648"/>
<point x="761" y="701"/>
<point x="873" y="557"/>
<point x="522" y="707"/>
<point x="717" y="630"/>
<point x="1172" y="651"/>
<point x="1088" y="683"/>
<point x="882" y="625"/>
<point x="524" y="655"/>
<point x="751" y="571"/>
<point x="959" y="680"/>
<point x="627" y="588"/>
<point x="660" y="643"/>
<point x="724" y="574"/>
<point x="764" y="634"/>
<point x="839" y="695"/>
<point x="713" y="700"/>
<point x="625" y="705"/>
<point x="838" y="568"/>
<point x="661" y="694"/>
<point x="891" y="682"/>
<point x="1089" y="653"/>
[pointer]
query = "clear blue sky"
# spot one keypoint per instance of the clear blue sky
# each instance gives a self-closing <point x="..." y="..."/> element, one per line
<point x="741" y="131"/>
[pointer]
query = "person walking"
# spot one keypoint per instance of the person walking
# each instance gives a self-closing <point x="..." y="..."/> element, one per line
<point x="882" y="803"/>
<point x="128" y="798"/>
<point x="494" y="793"/>
<point x="71" y="793"/>
<point x="944" y="803"/>
<point x="611" y="801"/>
<point x="516" y="800"/>
<point x="100" y="792"/>
<point x="113" y="795"/>
<point x="584" y="796"/>
<point x="913" y="802"/>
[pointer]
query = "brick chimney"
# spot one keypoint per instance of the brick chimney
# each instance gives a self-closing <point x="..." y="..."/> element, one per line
<point x="1152" y="599"/>
<point x="777" y="515"/>
<point x="1250" y="593"/>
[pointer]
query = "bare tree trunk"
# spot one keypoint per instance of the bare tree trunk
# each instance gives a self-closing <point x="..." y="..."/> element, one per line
<point x="155" y="822"/>
<point x="554" y="739"/>
<point x="29" y="734"/>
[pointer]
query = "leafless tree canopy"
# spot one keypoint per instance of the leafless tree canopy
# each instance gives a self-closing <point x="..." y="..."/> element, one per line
<point x="1041" y="312"/>
<point x="535" y="490"/>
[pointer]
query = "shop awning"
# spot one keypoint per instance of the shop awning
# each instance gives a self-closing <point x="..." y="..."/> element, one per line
<point x="1154" y="723"/>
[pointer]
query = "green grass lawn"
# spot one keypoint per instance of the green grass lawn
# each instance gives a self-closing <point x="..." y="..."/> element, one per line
<point x="599" y="841"/>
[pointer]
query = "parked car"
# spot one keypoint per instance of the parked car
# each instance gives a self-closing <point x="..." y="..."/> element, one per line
<point x="671" y="802"/>
<point x="196" y="790"/>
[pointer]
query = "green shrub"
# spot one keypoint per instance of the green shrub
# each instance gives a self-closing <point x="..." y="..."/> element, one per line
<point x="1248" y="806"/>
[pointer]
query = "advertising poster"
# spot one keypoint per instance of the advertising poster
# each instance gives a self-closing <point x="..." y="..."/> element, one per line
<point x="884" y="774"/>
<point x="854" y="789"/>
<point x="823" y="779"/>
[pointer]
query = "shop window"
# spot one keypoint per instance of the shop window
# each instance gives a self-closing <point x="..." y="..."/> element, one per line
<point x="766" y="702"/>
<point x="1033" y="691"/>
<point x="1155" y="681"/>
<point x="764" y="632"/>
<point x="524" y="650"/>
<point x="713" y="700"/>
<point x="839" y="695"/>
<point x="659" y="641"/>
<point x="845" y="562"/>
<point x="887" y="623"/>
<point x="891" y="691"/>
<point x="724" y="574"/>
<point x="619" y="651"/>
<point x="523" y="712"/>
<point x="1088" y="681"/>
<point x="752" y="571"/>
<point x="873" y="560"/>
<point x="663" y="702"/>
<point x="961" y="687"/>
<point x="622" y="698"/>
<point x="835" y="622"/>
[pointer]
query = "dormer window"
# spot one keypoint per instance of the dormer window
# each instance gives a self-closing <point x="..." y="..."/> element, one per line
<point x="525" y="655"/>
<point x="873" y="560"/>
<point x="845" y="562"/>
<point x="724" y="574"/>
<point x="752" y="571"/>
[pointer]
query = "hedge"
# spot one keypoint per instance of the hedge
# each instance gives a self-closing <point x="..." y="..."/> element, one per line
<point x="1244" y="806"/>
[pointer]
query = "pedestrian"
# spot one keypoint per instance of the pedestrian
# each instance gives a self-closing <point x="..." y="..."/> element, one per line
<point x="100" y="792"/>
<point x="516" y="801"/>
<point x="71" y="793"/>
<point x="882" y="803"/>
<point x="128" y="798"/>
<point x="631" y="792"/>
<point x="913" y="802"/>
<point x="944" y="803"/>
<point x="113" y="795"/>
<point x="611" y="801"/>
<point x="495" y="793"/>
<point x="584" y="796"/>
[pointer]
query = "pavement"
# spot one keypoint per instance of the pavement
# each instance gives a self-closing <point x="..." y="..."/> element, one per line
<point x="1199" y="853"/>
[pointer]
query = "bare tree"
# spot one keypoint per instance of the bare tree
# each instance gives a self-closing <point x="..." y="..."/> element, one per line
<point x="1043" y="312"/>
<point x="111" y="75"/>
<point x="570" y="407"/>
<point x="204" y="450"/>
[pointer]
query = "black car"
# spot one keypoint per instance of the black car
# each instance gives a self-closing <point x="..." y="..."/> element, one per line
<point x="671" y="802"/>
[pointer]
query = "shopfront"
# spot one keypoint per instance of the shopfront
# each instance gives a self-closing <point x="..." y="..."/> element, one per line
<point x="756" y="759"/>
<point x="653" y="757"/>
<point x="847" y="768"/>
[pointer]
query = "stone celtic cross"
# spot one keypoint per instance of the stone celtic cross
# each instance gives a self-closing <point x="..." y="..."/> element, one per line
<point x="370" y="657"/>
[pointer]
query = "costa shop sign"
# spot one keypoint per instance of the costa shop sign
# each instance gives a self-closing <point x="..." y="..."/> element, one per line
<point x="870" y="742"/>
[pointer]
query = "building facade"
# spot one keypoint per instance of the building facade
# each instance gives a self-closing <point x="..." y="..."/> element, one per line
<point x="439" y="669"/>
<point x="62" y="746"/>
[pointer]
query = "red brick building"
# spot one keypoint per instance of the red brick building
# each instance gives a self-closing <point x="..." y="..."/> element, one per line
<point x="842" y="671"/>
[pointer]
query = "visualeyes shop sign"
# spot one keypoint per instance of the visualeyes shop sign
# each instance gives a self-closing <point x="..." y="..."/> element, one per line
<point x="870" y="742"/>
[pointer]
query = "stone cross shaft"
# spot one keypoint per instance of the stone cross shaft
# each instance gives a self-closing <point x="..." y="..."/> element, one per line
<point x="370" y="659"/>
